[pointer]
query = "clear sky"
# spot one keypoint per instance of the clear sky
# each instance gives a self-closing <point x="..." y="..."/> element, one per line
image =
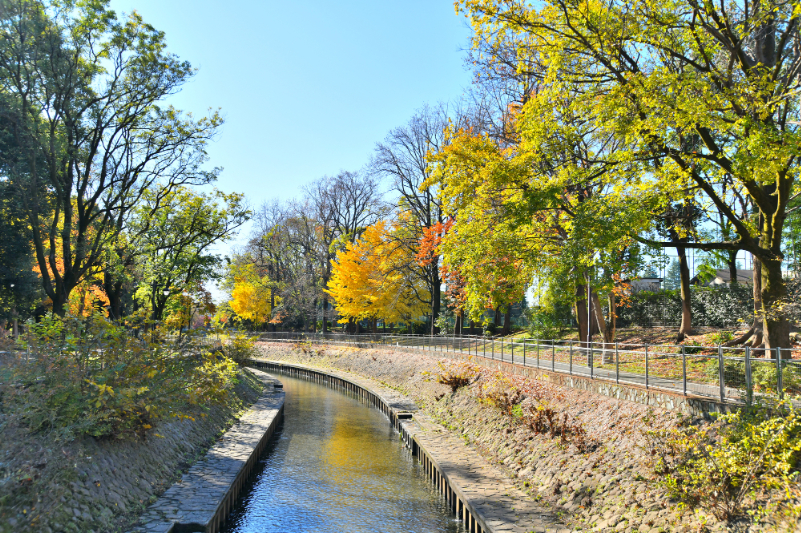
<point x="308" y="87"/>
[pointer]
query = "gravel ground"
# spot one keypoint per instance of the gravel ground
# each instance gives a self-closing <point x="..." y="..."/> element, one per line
<point x="608" y="487"/>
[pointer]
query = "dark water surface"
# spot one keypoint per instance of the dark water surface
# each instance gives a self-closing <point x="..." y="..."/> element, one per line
<point x="337" y="465"/>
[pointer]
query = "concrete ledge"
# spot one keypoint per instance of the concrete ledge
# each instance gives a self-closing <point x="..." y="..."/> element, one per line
<point x="478" y="493"/>
<point x="201" y="501"/>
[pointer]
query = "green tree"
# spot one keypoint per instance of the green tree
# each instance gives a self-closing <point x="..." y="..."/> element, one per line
<point x="697" y="93"/>
<point x="673" y="276"/>
<point x="80" y="94"/>
<point x="176" y="242"/>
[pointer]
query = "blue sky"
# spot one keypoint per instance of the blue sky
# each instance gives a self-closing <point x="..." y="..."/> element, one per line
<point x="308" y="87"/>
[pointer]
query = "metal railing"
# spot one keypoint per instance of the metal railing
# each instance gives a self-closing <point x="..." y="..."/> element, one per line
<point x="720" y="372"/>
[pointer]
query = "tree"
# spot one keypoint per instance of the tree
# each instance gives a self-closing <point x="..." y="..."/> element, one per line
<point x="342" y="206"/>
<point x="699" y="92"/>
<point x="250" y="297"/>
<point x="176" y="242"/>
<point x="370" y="280"/>
<point x="402" y="159"/>
<point x="79" y="94"/>
<point x="673" y="276"/>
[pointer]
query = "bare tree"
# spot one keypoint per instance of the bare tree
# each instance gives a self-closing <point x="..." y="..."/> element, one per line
<point x="402" y="158"/>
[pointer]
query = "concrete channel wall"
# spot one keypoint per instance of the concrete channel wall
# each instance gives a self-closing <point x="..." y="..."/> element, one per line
<point x="202" y="500"/>
<point x="467" y="489"/>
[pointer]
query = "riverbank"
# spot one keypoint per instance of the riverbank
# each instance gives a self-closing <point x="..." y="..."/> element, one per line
<point x="94" y="486"/>
<point x="597" y="479"/>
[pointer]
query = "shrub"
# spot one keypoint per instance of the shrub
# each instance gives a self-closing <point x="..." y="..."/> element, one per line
<point x="536" y="413"/>
<point x="763" y="375"/>
<point x="240" y="347"/>
<point x="92" y="377"/>
<point x="456" y="375"/>
<point x="731" y="467"/>
<point x="716" y="307"/>
<point x="543" y="324"/>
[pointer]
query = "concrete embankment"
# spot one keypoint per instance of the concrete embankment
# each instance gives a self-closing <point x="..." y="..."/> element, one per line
<point x="603" y="488"/>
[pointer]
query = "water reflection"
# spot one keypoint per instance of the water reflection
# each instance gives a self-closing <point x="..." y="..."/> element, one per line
<point x="337" y="465"/>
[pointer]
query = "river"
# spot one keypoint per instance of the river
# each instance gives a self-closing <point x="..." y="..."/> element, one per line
<point x="337" y="465"/>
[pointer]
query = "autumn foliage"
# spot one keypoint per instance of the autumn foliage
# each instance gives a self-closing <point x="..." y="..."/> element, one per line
<point x="370" y="279"/>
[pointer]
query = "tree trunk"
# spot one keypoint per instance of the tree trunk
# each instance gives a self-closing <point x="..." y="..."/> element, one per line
<point x="774" y="291"/>
<point x="732" y="263"/>
<point x="113" y="290"/>
<point x="686" y="309"/>
<point x="612" y="323"/>
<point x="598" y="313"/>
<point x="581" y="312"/>
<point x="507" y="321"/>
<point x="436" y="295"/>
<point x="775" y="325"/>
<point x="457" y="328"/>
<point x="496" y="321"/>
<point x="325" y="309"/>
<point x="272" y="306"/>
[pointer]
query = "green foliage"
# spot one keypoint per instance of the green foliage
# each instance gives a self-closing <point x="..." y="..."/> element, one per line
<point x="91" y="377"/>
<point x="544" y="323"/>
<point x="731" y="467"/>
<point x="240" y="347"/>
<point x="715" y="307"/>
<point x="721" y="337"/>
<point x="764" y="375"/>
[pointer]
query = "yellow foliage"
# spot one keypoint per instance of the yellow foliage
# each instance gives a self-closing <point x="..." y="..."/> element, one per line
<point x="372" y="278"/>
<point x="250" y="298"/>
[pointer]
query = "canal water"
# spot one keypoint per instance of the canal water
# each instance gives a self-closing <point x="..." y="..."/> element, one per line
<point x="337" y="465"/>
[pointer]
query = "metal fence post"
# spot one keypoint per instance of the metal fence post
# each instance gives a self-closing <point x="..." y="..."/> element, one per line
<point x="646" y="366"/>
<point x="553" y="357"/>
<point x="512" y="349"/>
<point x="779" y="383"/>
<point x="720" y="373"/>
<point x="684" y="368"/>
<point x="501" y="349"/>
<point x="524" y="352"/>
<point x="492" y="353"/>
<point x="749" y="387"/>
<point x="537" y="342"/>
<point x="570" y="371"/>
<point x="617" y="364"/>
<point x="592" y="375"/>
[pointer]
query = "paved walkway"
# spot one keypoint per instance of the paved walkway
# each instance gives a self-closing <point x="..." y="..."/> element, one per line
<point x="202" y="499"/>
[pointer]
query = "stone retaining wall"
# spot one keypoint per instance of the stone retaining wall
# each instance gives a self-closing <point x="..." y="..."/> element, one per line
<point x="202" y="499"/>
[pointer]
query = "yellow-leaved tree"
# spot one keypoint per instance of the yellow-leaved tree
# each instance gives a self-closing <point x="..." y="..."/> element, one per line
<point x="373" y="279"/>
<point x="250" y="297"/>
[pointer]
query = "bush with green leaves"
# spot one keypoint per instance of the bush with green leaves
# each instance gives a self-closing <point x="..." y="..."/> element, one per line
<point x="544" y="324"/>
<point x="715" y="307"/>
<point x="764" y="375"/>
<point x="745" y="464"/>
<point x="240" y="347"/>
<point x="93" y="377"/>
